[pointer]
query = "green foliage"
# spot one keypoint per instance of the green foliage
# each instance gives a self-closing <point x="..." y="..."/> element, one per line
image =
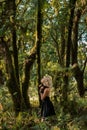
<point x="2" y="31"/>
<point x="55" y="16"/>
<point x="31" y="120"/>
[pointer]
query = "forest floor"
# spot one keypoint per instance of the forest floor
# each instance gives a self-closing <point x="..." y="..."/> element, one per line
<point x="74" y="119"/>
<point x="30" y="120"/>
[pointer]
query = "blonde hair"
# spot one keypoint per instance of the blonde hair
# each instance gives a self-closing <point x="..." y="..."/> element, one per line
<point x="48" y="79"/>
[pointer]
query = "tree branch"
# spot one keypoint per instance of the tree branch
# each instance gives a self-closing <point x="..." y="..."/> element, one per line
<point x="57" y="47"/>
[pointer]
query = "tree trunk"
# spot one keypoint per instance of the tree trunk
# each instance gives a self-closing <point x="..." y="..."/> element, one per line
<point x="74" y="48"/>
<point x="14" y="44"/>
<point x="12" y="82"/>
<point x="68" y="48"/>
<point x="78" y="73"/>
<point x="28" y="66"/>
<point x="39" y="39"/>
<point x="63" y="44"/>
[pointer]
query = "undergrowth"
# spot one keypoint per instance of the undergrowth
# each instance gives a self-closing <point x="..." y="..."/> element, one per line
<point x="74" y="119"/>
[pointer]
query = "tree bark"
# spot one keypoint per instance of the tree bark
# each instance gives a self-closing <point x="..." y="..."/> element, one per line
<point x="28" y="66"/>
<point x="79" y="78"/>
<point x="12" y="82"/>
<point x="78" y="73"/>
<point x="39" y="40"/>
<point x="63" y="45"/>
<point x="14" y="44"/>
<point x="74" y="48"/>
<point x="68" y="48"/>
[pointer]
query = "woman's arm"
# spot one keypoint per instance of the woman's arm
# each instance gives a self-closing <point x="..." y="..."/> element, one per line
<point x="46" y="93"/>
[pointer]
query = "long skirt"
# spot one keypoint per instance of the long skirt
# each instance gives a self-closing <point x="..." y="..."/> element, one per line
<point x="47" y="108"/>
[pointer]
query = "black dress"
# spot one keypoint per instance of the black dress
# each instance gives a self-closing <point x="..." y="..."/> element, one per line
<point x="47" y="108"/>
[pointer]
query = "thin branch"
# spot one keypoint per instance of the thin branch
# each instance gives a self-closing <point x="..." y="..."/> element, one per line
<point x="57" y="47"/>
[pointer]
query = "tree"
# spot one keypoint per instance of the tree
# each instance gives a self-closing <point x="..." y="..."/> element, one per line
<point x="67" y="45"/>
<point x="39" y="40"/>
<point x="48" y="31"/>
<point x="78" y="73"/>
<point x="20" y="98"/>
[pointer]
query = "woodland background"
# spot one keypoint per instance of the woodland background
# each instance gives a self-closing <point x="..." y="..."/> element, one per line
<point x="39" y="37"/>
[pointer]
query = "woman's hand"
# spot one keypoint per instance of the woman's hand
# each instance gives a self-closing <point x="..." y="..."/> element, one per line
<point x="41" y="89"/>
<point x="45" y="93"/>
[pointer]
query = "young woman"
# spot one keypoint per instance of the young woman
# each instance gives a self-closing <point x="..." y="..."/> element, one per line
<point x="47" y="108"/>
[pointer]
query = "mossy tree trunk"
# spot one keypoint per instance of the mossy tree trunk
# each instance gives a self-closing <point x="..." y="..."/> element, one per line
<point x="12" y="81"/>
<point x="28" y="66"/>
<point x="39" y="40"/>
<point x="61" y="60"/>
<point x="68" y="53"/>
<point x="14" y="44"/>
<point x="78" y="72"/>
<point x="20" y="98"/>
